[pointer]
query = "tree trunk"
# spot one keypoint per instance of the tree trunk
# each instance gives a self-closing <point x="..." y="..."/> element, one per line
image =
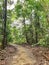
<point x="4" y="41"/>
<point x="25" y="32"/>
<point x="36" y="37"/>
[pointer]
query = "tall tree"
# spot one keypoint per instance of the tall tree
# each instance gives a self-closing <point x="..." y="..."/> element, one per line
<point x="4" y="41"/>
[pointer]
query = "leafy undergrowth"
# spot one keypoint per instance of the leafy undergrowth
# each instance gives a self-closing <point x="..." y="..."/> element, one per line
<point x="24" y="55"/>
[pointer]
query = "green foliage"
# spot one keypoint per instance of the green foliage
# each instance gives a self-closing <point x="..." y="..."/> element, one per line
<point x="38" y="22"/>
<point x="37" y="12"/>
<point x="17" y="36"/>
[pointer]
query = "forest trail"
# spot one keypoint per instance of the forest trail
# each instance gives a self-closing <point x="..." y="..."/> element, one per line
<point x="22" y="57"/>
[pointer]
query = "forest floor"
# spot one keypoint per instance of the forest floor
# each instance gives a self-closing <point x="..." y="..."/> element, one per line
<point x="24" y="55"/>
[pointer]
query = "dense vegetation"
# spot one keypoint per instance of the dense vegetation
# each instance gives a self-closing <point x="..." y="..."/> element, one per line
<point x="27" y="22"/>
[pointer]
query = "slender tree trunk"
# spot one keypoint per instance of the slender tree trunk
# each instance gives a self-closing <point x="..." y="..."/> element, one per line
<point x="36" y="37"/>
<point x="25" y="33"/>
<point x="4" y="41"/>
<point x="37" y="25"/>
<point x="31" y="30"/>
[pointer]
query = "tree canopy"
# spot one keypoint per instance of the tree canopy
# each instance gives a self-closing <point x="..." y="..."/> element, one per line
<point x="27" y="22"/>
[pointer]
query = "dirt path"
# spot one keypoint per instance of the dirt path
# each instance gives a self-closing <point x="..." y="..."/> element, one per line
<point x="22" y="57"/>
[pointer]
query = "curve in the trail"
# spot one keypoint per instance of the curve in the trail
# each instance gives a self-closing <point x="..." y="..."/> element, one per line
<point x="22" y="57"/>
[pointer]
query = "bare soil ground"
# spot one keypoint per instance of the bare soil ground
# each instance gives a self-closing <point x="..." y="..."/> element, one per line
<point x="24" y="55"/>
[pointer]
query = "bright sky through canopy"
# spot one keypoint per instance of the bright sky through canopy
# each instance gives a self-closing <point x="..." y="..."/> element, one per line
<point x="11" y="6"/>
